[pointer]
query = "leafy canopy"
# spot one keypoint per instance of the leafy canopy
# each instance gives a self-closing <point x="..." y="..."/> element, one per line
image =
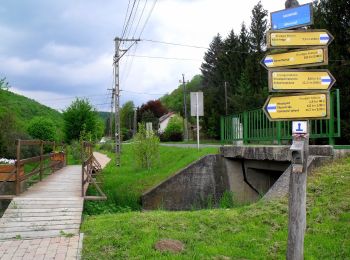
<point x="42" y="128"/>
<point x="80" y="117"/>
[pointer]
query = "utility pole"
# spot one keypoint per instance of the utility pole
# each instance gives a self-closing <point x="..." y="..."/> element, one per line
<point x="111" y="114"/>
<point x="116" y="93"/>
<point x="117" y="57"/>
<point x="185" y="108"/>
<point x="135" y="121"/>
<point x="226" y="97"/>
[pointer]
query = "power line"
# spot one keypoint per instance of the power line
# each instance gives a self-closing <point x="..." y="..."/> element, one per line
<point x="138" y="23"/>
<point x="164" y="58"/>
<point x="176" y="44"/>
<point x="128" y="22"/>
<point x="133" y="19"/>
<point x="145" y="93"/>
<point x="126" y="15"/>
<point x="147" y="19"/>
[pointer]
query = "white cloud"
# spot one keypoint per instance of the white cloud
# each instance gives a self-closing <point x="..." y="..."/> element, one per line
<point x="64" y="64"/>
<point x="57" y="51"/>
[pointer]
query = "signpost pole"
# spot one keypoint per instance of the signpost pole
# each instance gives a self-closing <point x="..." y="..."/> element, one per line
<point x="297" y="199"/>
<point x="197" y="114"/>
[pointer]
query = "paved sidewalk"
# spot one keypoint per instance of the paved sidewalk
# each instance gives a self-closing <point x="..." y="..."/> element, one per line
<point x="42" y="248"/>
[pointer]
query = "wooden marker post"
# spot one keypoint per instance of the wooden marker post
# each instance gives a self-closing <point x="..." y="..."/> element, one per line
<point x="297" y="191"/>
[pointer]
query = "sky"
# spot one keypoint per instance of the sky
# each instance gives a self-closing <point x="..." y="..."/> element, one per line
<point x="56" y="51"/>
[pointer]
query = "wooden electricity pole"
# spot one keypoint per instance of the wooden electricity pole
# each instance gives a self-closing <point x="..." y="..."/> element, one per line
<point x="185" y="108"/>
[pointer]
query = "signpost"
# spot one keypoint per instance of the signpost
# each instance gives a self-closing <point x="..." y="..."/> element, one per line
<point x="299" y="127"/>
<point x="292" y="18"/>
<point x="197" y="109"/>
<point x="300" y="80"/>
<point x="297" y="106"/>
<point x="296" y="59"/>
<point x="298" y="38"/>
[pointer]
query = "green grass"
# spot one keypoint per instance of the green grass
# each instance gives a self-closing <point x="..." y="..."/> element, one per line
<point x="204" y="141"/>
<point x="124" y="185"/>
<point x="257" y="231"/>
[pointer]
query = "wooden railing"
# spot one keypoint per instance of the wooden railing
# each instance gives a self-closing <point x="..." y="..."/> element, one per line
<point x="91" y="174"/>
<point x="32" y="169"/>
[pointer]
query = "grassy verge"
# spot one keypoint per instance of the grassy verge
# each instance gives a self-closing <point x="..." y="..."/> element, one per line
<point x="124" y="185"/>
<point x="257" y="231"/>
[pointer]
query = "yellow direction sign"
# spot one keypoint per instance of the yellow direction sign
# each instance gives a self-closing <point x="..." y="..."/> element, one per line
<point x="297" y="107"/>
<point x="298" y="38"/>
<point x="296" y="59"/>
<point x="300" y="81"/>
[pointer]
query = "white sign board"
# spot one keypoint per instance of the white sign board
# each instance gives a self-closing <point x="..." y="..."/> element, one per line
<point x="194" y="103"/>
<point x="299" y="127"/>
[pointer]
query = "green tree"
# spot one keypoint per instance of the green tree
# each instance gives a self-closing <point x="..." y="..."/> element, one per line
<point x="8" y="126"/>
<point x="127" y="115"/>
<point x="42" y="128"/>
<point x="4" y="84"/>
<point x="334" y="16"/>
<point x="145" y="148"/>
<point x="79" y="116"/>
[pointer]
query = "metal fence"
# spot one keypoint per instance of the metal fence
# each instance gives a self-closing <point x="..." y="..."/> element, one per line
<point x="254" y="127"/>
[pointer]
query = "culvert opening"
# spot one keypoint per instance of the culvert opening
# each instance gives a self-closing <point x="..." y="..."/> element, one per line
<point x="209" y="181"/>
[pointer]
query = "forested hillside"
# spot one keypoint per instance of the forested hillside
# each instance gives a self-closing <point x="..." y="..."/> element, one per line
<point x="235" y="59"/>
<point x="16" y="115"/>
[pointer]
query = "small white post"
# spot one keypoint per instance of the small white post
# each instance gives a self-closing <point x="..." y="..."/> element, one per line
<point x="197" y="113"/>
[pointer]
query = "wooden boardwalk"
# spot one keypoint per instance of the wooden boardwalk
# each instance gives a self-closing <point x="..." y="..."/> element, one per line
<point x="50" y="208"/>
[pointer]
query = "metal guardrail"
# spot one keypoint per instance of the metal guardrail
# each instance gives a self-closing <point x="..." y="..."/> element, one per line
<point x="253" y="126"/>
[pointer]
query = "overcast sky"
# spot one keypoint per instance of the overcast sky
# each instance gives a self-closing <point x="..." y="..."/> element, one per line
<point x="53" y="51"/>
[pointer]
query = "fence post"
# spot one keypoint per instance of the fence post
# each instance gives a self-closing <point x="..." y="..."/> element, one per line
<point x="222" y="125"/>
<point x="41" y="160"/>
<point x="18" y="167"/>
<point x="331" y="120"/>
<point x="66" y="154"/>
<point x="245" y="127"/>
<point x="279" y="132"/>
<point x="338" y="112"/>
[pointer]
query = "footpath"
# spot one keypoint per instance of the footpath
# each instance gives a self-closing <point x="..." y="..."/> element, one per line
<point x="44" y="222"/>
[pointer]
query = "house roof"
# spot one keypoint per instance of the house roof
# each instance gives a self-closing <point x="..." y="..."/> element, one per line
<point x="166" y="116"/>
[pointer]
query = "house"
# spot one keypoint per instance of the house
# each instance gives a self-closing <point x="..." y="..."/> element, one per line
<point x="164" y="121"/>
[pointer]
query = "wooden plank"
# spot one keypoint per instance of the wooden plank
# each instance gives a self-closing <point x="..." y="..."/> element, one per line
<point x="38" y="234"/>
<point x="40" y="214"/>
<point x="61" y="209"/>
<point x="38" y="227"/>
<point x="19" y="203"/>
<point x="47" y="206"/>
<point x="41" y="223"/>
<point x="44" y="218"/>
<point x="43" y="199"/>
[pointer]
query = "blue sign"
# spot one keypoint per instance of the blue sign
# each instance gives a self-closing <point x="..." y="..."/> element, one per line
<point x="292" y="18"/>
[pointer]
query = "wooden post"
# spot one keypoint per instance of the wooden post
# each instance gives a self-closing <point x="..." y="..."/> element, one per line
<point x="41" y="160"/>
<point x="65" y="154"/>
<point x="18" y="167"/>
<point x="297" y="204"/>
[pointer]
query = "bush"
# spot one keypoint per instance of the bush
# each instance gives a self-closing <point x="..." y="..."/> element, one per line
<point x="126" y="134"/>
<point x="174" y="130"/>
<point x="107" y="146"/>
<point x="42" y="128"/>
<point x="145" y="148"/>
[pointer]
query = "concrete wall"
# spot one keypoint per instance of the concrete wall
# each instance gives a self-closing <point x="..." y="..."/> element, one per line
<point x="207" y="180"/>
<point x="189" y="188"/>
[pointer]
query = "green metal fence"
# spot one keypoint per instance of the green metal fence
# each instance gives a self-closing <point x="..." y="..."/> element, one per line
<point x="254" y="127"/>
